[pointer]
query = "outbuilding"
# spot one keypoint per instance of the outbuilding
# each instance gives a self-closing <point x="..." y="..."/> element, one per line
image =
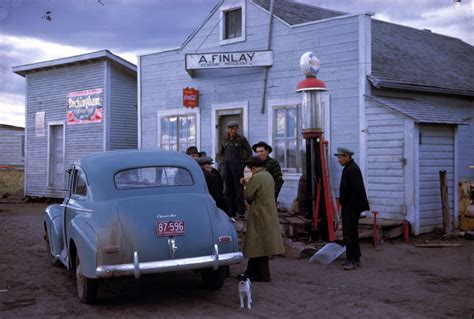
<point x="12" y="142"/>
<point x="399" y="97"/>
<point x="75" y="106"/>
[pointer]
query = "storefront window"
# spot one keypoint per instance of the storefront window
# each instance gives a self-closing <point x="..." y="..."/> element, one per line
<point x="287" y="139"/>
<point x="178" y="132"/>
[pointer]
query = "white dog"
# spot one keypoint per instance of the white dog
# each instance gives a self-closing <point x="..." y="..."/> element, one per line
<point x="245" y="289"/>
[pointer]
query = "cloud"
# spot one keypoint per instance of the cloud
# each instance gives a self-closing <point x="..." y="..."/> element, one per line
<point x="12" y="109"/>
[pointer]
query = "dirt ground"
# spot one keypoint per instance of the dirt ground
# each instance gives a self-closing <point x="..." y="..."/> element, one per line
<point x="397" y="281"/>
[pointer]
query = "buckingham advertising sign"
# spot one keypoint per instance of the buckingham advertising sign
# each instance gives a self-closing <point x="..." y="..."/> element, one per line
<point x="85" y="106"/>
<point x="228" y="60"/>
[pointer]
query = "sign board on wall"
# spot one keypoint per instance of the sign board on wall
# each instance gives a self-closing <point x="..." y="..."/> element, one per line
<point x="84" y="106"/>
<point x="190" y="97"/>
<point x="197" y="61"/>
<point x="39" y="124"/>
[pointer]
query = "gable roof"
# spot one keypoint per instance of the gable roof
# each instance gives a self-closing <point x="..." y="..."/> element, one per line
<point x="88" y="57"/>
<point x="408" y="58"/>
<point x="422" y="111"/>
<point x="296" y="13"/>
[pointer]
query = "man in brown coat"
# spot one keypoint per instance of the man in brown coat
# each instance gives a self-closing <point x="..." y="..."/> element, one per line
<point x="263" y="235"/>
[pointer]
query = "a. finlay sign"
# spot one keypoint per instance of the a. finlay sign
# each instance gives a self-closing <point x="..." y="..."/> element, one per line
<point x="198" y="61"/>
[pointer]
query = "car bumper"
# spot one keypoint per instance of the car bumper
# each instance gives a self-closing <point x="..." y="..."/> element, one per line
<point x="154" y="267"/>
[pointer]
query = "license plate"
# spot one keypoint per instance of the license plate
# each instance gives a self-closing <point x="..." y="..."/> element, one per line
<point x="170" y="228"/>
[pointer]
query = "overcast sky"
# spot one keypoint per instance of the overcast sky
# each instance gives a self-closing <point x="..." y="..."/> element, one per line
<point x="134" y="27"/>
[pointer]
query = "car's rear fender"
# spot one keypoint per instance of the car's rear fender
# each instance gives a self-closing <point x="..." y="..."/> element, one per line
<point x="223" y="227"/>
<point x="85" y="240"/>
<point x="53" y="220"/>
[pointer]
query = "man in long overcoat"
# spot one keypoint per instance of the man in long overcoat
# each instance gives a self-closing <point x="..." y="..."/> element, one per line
<point x="263" y="234"/>
<point x="353" y="200"/>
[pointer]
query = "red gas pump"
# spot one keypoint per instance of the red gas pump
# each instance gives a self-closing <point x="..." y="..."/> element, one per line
<point x="321" y="208"/>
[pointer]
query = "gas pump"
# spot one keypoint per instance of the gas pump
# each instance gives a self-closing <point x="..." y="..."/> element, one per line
<point x="321" y="208"/>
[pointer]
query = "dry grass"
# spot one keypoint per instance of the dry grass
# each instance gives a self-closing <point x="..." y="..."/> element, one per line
<point x="11" y="182"/>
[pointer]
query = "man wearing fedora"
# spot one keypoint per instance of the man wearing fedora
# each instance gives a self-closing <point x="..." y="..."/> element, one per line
<point x="234" y="151"/>
<point x="193" y="152"/>
<point x="263" y="235"/>
<point x="214" y="181"/>
<point x="353" y="200"/>
<point x="262" y="150"/>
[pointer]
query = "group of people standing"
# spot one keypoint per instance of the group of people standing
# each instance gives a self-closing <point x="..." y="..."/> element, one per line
<point x="263" y="236"/>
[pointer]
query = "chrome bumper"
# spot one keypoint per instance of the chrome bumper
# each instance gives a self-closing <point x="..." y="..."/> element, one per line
<point x="154" y="267"/>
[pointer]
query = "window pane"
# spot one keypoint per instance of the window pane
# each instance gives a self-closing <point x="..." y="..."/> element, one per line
<point x="279" y="149"/>
<point x="238" y="23"/>
<point x="280" y="123"/>
<point x="233" y="24"/>
<point x="291" y="123"/>
<point x="291" y="154"/>
<point x="152" y="177"/>
<point x="81" y="188"/>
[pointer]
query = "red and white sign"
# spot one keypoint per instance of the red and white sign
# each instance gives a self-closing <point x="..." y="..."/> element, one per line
<point x="190" y="97"/>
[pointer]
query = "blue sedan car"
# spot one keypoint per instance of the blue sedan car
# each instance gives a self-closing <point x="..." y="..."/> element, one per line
<point x="132" y="213"/>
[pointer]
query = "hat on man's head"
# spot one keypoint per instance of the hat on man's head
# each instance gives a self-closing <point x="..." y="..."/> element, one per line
<point x="254" y="161"/>
<point x="192" y="150"/>
<point x="343" y="151"/>
<point x="262" y="144"/>
<point x="232" y="124"/>
<point x="204" y="160"/>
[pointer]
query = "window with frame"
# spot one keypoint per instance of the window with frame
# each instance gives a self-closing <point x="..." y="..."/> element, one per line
<point x="233" y="24"/>
<point x="287" y="138"/>
<point x="178" y="132"/>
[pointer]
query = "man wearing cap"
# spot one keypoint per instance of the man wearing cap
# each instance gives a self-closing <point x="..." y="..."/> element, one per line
<point x="353" y="200"/>
<point x="262" y="150"/>
<point x="235" y="149"/>
<point x="193" y="152"/>
<point x="263" y="235"/>
<point x="214" y="181"/>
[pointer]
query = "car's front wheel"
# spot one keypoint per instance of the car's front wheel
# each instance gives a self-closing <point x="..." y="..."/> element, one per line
<point x="86" y="287"/>
<point x="214" y="279"/>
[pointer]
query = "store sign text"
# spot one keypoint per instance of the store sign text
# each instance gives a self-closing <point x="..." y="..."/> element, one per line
<point x="228" y="60"/>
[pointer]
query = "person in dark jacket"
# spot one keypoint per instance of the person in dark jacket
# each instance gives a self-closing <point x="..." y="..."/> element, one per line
<point x="353" y="200"/>
<point x="262" y="150"/>
<point x="235" y="149"/>
<point x="214" y="181"/>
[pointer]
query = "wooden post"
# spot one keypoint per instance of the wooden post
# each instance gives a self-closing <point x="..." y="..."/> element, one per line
<point x="445" y="202"/>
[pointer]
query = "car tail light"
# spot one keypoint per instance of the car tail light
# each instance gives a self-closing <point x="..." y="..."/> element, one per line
<point x="225" y="239"/>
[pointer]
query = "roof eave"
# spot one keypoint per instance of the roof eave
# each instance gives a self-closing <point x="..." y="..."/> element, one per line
<point x="413" y="87"/>
<point x="103" y="54"/>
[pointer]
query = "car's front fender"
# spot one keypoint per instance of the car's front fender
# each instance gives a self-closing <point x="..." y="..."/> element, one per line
<point x="53" y="220"/>
<point x="82" y="235"/>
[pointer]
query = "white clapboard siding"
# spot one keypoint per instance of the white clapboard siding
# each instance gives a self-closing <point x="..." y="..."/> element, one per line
<point x="385" y="154"/>
<point x="46" y="92"/>
<point x="335" y="42"/>
<point x="11" y="145"/>
<point x="123" y="132"/>
<point x="436" y="153"/>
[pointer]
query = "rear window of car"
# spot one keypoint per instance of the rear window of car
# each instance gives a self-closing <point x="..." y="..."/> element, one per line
<point x="159" y="176"/>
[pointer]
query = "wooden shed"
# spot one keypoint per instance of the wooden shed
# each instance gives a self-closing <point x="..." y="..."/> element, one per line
<point x="12" y="142"/>
<point x="75" y="106"/>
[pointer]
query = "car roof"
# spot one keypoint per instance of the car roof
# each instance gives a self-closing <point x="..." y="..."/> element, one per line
<point x="101" y="167"/>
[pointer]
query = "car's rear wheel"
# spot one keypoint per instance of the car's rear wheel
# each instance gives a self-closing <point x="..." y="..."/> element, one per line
<point x="52" y="260"/>
<point x="214" y="279"/>
<point x="86" y="287"/>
